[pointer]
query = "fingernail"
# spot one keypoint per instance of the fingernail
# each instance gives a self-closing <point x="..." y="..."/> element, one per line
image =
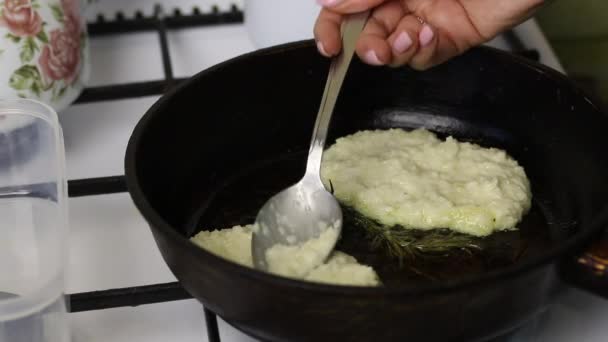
<point x="426" y="35"/>
<point x="372" y="58"/>
<point x="328" y="3"/>
<point x="402" y="43"/>
<point x="322" y="50"/>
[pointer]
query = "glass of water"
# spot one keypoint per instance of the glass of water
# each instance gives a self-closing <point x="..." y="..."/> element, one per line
<point x="33" y="224"/>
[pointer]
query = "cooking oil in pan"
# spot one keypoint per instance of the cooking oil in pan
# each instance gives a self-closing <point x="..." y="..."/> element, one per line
<point x="433" y="255"/>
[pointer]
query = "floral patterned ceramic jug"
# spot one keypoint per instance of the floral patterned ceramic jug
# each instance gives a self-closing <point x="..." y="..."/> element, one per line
<point x="43" y="51"/>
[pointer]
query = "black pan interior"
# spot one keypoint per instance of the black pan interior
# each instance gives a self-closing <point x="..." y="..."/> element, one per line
<point x="242" y="133"/>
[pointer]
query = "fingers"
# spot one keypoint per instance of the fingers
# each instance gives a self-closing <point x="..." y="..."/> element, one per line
<point x="435" y="47"/>
<point x="327" y="33"/>
<point x="427" y="47"/>
<point x="393" y="36"/>
<point x="349" y="6"/>
<point x="420" y="45"/>
<point x="372" y="46"/>
<point x="404" y="40"/>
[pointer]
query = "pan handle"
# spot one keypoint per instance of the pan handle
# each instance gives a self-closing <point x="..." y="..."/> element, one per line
<point x="589" y="269"/>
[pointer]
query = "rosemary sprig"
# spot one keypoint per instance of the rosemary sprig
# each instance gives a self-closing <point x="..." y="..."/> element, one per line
<point x="403" y="243"/>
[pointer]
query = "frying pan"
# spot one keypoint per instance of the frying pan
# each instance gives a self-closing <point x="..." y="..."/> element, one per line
<point x="207" y="153"/>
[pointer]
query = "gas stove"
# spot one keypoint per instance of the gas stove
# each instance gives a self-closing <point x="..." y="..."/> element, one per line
<point x="119" y="287"/>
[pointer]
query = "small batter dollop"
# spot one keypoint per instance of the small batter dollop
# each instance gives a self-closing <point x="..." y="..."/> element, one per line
<point x="295" y="262"/>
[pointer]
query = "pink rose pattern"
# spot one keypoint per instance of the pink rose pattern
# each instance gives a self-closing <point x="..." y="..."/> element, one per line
<point x="60" y="58"/>
<point x="20" y="18"/>
<point x="71" y="8"/>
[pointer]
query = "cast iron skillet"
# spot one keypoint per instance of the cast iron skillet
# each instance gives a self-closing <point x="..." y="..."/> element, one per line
<point x="245" y="122"/>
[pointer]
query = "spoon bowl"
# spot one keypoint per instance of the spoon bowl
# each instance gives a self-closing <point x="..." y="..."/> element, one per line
<point x="300" y="213"/>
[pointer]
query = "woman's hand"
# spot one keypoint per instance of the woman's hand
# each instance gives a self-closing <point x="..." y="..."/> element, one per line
<point x="420" y="33"/>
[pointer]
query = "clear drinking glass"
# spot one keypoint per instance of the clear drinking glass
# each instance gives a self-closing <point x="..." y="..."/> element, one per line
<point x="33" y="224"/>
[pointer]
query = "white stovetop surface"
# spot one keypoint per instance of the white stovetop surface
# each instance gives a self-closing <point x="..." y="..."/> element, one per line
<point x="110" y="245"/>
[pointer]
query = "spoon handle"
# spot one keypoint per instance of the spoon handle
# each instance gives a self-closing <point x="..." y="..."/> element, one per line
<point x="351" y="29"/>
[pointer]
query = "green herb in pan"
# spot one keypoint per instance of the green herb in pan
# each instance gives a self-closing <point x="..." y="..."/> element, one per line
<point x="405" y="243"/>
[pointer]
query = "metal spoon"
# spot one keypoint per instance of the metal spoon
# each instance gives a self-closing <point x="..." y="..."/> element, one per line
<point x="305" y="210"/>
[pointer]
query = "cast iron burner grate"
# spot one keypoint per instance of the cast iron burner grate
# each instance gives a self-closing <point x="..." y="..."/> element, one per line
<point x="161" y="23"/>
